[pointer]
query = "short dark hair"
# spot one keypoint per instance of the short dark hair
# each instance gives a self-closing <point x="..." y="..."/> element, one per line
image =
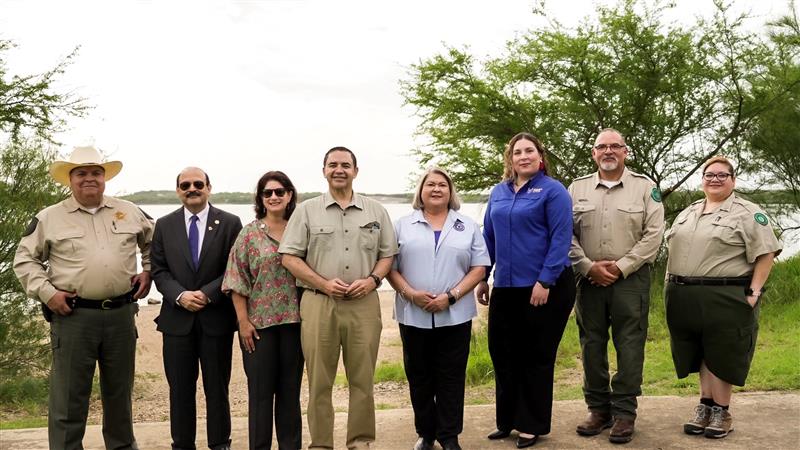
<point x="178" y="178"/>
<point x="280" y="177"/>
<point x="340" y="149"/>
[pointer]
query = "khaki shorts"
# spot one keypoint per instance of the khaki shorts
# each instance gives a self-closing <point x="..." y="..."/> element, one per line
<point x="714" y="324"/>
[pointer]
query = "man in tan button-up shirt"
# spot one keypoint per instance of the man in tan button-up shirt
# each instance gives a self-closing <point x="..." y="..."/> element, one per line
<point x="618" y="226"/>
<point x="78" y="258"/>
<point x="339" y="246"/>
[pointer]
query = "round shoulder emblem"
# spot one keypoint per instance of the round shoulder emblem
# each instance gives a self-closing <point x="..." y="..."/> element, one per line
<point x="655" y="194"/>
<point x="761" y="218"/>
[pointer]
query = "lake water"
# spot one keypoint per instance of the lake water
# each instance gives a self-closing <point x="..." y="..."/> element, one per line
<point x="396" y="210"/>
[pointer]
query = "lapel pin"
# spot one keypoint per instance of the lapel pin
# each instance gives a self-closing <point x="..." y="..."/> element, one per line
<point x="216" y="222"/>
<point x="210" y="228"/>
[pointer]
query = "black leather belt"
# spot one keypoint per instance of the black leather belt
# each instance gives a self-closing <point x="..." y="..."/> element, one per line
<point x="109" y="303"/>
<point x="709" y="281"/>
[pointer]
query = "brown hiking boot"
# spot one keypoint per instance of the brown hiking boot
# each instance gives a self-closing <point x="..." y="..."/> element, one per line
<point x="594" y="424"/>
<point x="721" y="423"/>
<point x="622" y="431"/>
<point x="698" y="424"/>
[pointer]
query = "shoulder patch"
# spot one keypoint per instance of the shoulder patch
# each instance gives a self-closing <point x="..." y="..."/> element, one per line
<point x="31" y="227"/>
<point x="145" y="214"/>
<point x="655" y="194"/>
<point x="761" y="218"/>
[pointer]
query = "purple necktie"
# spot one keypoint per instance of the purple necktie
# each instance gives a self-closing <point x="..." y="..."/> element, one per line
<point x="194" y="240"/>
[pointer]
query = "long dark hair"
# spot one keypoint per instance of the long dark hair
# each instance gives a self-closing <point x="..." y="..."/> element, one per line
<point x="508" y="169"/>
<point x="280" y="177"/>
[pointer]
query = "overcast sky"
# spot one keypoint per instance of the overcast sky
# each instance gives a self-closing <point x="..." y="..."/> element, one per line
<point x="242" y="87"/>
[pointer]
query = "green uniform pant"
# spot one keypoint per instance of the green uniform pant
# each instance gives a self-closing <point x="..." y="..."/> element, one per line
<point x="354" y="326"/>
<point x="80" y="341"/>
<point x="622" y="306"/>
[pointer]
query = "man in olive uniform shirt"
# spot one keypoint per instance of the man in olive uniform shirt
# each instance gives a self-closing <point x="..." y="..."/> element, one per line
<point x="618" y="226"/>
<point x="78" y="257"/>
<point x="339" y="246"/>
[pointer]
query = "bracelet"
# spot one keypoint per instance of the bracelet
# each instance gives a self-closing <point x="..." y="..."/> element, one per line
<point x="457" y="292"/>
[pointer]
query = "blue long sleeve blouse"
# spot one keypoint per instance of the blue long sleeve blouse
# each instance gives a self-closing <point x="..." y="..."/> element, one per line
<point x="528" y="232"/>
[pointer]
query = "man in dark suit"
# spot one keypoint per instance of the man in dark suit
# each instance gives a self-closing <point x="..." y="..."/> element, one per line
<point x="189" y="253"/>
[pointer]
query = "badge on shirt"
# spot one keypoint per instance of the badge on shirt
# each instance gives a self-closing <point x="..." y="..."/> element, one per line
<point x="459" y="225"/>
<point x="761" y="219"/>
<point x="119" y="215"/>
<point x="655" y="194"/>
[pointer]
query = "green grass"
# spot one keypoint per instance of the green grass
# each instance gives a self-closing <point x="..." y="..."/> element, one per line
<point x="775" y="365"/>
<point x="390" y="371"/>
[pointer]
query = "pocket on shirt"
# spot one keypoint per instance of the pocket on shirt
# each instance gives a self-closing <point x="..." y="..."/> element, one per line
<point x="369" y="238"/>
<point x="725" y="231"/>
<point x="321" y="236"/>
<point x="124" y="237"/>
<point x="69" y="243"/>
<point x="583" y="215"/>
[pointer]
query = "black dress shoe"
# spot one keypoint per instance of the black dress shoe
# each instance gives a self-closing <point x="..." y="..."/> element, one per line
<point x="452" y="444"/>
<point x="423" y="444"/>
<point x="498" y="434"/>
<point x="523" y="442"/>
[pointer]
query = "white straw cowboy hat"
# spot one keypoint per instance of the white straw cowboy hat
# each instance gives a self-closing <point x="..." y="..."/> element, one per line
<point x="82" y="157"/>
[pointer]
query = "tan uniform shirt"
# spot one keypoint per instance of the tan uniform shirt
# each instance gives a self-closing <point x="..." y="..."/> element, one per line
<point x="340" y="243"/>
<point x="721" y="243"/>
<point x="624" y="223"/>
<point x="74" y="250"/>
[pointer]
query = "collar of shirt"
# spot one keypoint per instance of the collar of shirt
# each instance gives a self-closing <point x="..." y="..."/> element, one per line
<point x="534" y="179"/>
<point x="625" y="174"/>
<point x="72" y="205"/>
<point x="202" y="217"/>
<point x="355" y="200"/>
<point x="725" y="206"/>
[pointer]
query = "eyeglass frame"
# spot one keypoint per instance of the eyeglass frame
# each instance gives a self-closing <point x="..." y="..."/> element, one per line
<point x="186" y="185"/>
<point x="267" y="193"/>
<point x="613" y="147"/>
<point x="721" y="176"/>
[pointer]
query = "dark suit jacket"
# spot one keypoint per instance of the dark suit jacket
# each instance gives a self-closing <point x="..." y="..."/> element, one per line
<point x="173" y="272"/>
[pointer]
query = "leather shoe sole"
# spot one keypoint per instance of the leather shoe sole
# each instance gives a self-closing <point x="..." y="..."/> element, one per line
<point x="523" y="442"/>
<point x="498" y="434"/>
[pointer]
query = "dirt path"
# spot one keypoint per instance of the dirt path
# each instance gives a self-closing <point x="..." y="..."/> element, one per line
<point x="761" y="421"/>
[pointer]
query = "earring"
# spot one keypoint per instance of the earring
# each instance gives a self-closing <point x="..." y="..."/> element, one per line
<point x="541" y="165"/>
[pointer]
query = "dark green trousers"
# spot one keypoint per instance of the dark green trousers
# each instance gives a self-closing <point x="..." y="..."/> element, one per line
<point x="622" y="307"/>
<point x="81" y="341"/>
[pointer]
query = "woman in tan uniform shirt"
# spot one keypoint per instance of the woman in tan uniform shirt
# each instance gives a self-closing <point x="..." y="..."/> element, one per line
<point x="721" y="250"/>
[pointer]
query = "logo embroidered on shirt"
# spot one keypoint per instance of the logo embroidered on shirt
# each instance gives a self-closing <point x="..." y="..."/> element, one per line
<point x="459" y="225"/>
<point x="761" y="218"/>
<point x="534" y="190"/>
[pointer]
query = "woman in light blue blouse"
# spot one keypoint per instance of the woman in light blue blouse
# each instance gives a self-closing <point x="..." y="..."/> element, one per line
<point x="528" y="230"/>
<point x="442" y="258"/>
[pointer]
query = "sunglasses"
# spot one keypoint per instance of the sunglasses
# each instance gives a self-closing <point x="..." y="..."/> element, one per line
<point x="280" y="192"/>
<point x="187" y="184"/>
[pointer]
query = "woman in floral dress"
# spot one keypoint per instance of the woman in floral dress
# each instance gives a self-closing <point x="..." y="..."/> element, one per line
<point x="268" y="313"/>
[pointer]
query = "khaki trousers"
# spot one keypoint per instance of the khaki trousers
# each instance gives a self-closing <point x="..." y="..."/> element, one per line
<point x="355" y="327"/>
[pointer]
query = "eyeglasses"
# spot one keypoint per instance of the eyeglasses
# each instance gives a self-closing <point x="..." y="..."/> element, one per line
<point x="280" y="192"/>
<point x="721" y="176"/>
<point x="187" y="184"/>
<point x="612" y="147"/>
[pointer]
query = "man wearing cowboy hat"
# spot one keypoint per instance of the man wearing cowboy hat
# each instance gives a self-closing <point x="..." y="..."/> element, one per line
<point x="78" y="257"/>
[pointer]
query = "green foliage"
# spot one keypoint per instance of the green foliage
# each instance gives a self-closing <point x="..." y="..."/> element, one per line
<point x="680" y="95"/>
<point x="774" y="366"/>
<point x="25" y="188"/>
<point x="28" y="103"/>
<point x="389" y="371"/>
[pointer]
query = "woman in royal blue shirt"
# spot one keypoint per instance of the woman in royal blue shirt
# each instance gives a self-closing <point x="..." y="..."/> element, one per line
<point x="528" y="230"/>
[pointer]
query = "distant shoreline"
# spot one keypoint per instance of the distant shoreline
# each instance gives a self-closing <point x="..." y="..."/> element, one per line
<point x="246" y="198"/>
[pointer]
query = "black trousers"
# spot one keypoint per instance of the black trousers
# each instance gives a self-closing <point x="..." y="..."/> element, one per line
<point x="274" y="371"/>
<point x="181" y="357"/>
<point x="435" y="361"/>
<point x="523" y="342"/>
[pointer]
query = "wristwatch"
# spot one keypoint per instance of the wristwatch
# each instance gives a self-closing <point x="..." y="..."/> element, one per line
<point x="376" y="280"/>
<point x="451" y="298"/>
<point x="750" y="292"/>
